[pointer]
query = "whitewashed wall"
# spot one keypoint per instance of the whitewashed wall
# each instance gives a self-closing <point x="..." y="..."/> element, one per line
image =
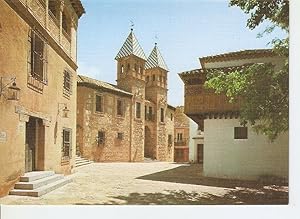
<point x="192" y="147"/>
<point x="226" y="157"/>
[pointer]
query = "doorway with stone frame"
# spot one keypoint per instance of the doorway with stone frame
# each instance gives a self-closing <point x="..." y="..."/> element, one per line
<point x="34" y="144"/>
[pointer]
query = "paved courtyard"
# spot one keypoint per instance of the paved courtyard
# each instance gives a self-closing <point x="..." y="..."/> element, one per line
<point x="153" y="183"/>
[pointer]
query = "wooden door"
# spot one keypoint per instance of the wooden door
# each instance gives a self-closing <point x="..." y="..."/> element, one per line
<point x="200" y="153"/>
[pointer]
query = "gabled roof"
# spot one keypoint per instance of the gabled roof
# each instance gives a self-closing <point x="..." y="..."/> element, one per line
<point x="90" y="82"/>
<point x="243" y="54"/>
<point x="131" y="47"/>
<point x="156" y="60"/>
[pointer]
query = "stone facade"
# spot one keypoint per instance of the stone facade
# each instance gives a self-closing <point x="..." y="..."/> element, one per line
<point x="44" y="65"/>
<point x="116" y="128"/>
<point x="182" y="135"/>
<point x="147" y="123"/>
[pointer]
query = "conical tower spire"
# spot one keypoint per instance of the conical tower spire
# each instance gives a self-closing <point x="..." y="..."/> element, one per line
<point x="156" y="60"/>
<point x="131" y="47"/>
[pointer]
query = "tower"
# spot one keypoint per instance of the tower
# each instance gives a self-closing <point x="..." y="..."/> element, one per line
<point x="131" y="66"/>
<point x="156" y="92"/>
<point x="131" y="61"/>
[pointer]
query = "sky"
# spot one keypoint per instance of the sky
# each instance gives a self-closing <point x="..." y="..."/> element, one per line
<point x="184" y="30"/>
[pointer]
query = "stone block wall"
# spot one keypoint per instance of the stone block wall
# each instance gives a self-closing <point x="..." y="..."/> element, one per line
<point x="91" y="122"/>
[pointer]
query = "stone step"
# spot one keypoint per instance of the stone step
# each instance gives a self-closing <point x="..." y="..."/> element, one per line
<point x="35" y="175"/>
<point x="81" y="161"/>
<point x="41" y="190"/>
<point x="82" y="164"/>
<point x="38" y="183"/>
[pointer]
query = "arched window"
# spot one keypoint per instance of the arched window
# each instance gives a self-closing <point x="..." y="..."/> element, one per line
<point x="135" y="68"/>
<point x="153" y="77"/>
<point x="122" y="68"/>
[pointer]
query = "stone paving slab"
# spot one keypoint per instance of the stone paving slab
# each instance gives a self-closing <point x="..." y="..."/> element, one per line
<point x="151" y="183"/>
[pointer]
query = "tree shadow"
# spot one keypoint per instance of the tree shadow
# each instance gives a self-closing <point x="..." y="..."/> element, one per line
<point x="270" y="196"/>
<point x="192" y="174"/>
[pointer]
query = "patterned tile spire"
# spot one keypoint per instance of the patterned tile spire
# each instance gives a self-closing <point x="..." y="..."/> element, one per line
<point x="156" y="60"/>
<point x="131" y="47"/>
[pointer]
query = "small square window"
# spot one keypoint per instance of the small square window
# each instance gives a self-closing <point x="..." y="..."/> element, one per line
<point x="120" y="135"/>
<point x="240" y="132"/>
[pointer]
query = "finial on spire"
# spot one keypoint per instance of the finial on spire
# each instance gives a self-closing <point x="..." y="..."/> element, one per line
<point x="132" y="25"/>
<point x="156" y="39"/>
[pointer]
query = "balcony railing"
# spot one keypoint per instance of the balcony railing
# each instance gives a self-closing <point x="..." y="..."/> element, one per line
<point x="180" y="142"/>
<point x="150" y="117"/>
<point x="37" y="8"/>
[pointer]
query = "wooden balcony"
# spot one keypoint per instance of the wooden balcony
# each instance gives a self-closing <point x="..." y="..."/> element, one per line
<point x="50" y="24"/>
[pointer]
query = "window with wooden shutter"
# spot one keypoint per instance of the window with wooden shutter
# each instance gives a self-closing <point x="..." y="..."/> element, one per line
<point x="67" y="86"/>
<point x="37" y="61"/>
<point x="67" y="146"/>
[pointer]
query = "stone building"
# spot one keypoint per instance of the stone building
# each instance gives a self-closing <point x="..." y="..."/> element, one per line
<point x="182" y="135"/>
<point x="230" y="149"/>
<point x="38" y="51"/>
<point x="146" y="124"/>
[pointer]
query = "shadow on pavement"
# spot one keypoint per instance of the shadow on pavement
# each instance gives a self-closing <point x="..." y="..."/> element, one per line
<point x="192" y="174"/>
<point x="235" y="197"/>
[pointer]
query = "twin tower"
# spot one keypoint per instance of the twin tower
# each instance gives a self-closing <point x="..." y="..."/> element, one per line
<point x="146" y="79"/>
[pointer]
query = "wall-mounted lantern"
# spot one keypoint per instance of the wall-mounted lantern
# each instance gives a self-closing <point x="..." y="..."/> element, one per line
<point x="9" y="90"/>
<point x="65" y="111"/>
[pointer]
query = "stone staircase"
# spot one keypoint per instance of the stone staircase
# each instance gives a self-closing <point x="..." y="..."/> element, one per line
<point x="38" y="183"/>
<point x="80" y="161"/>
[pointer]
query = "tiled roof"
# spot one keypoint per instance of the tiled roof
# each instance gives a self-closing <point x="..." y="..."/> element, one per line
<point x="100" y="84"/>
<point x="228" y="69"/>
<point x="131" y="47"/>
<point x="77" y="5"/>
<point x="194" y="71"/>
<point x="243" y="54"/>
<point x="156" y="60"/>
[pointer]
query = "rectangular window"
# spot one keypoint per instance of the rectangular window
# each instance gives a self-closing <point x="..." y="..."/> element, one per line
<point x="38" y="58"/>
<point x="240" y="132"/>
<point x="120" y="108"/>
<point x="146" y="113"/>
<point x="162" y="115"/>
<point x="101" y="138"/>
<point x="147" y="78"/>
<point x="138" y="110"/>
<point x="170" y="142"/>
<point x="67" y="83"/>
<point x="150" y="113"/>
<point x="67" y="147"/>
<point x="120" y="135"/>
<point x="171" y="116"/>
<point x="99" y="103"/>
<point x="153" y="77"/>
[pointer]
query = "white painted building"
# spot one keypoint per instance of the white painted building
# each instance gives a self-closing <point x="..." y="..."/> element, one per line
<point x="231" y="150"/>
<point x="255" y="156"/>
